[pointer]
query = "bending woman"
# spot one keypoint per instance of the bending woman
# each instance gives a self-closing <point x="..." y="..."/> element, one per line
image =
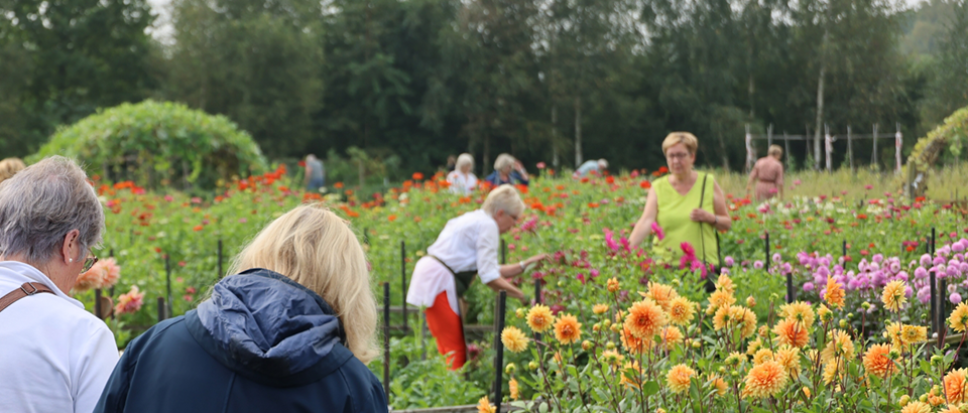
<point x="689" y="206"/>
<point x="290" y="331"/>
<point x="467" y="247"/>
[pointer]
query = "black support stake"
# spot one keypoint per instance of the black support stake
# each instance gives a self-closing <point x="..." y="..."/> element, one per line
<point x="97" y="303"/>
<point x="499" y="353"/>
<point x="403" y="283"/>
<point x="386" y="340"/>
<point x="169" y="311"/>
<point x="537" y="300"/>
<point x="220" y="273"/>
<point x="934" y="301"/>
<point x="161" y="309"/>
<point x="504" y="252"/>
<point x="845" y="249"/>
<point x="767" y="249"/>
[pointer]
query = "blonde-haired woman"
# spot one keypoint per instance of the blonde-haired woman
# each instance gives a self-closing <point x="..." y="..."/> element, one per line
<point x="461" y="179"/>
<point x="689" y="206"/>
<point x="465" y="249"/>
<point x="290" y="331"/>
<point x="767" y="172"/>
<point x="9" y="167"/>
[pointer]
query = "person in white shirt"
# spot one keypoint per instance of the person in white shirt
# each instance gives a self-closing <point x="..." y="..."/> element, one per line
<point x="54" y="356"/>
<point x="593" y="166"/>
<point x="466" y="247"/>
<point x="461" y="179"/>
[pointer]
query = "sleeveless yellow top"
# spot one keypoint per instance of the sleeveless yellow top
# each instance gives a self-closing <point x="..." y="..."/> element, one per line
<point x="673" y="217"/>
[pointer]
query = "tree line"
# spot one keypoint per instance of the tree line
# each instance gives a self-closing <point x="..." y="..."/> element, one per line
<point x="558" y="81"/>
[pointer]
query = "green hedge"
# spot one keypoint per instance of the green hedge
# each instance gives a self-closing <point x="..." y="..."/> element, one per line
<point x="158" y="144"/>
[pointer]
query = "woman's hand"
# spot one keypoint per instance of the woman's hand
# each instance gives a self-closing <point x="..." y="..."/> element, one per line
<point x="702" y="215"/>
<point x="537" y="259"/>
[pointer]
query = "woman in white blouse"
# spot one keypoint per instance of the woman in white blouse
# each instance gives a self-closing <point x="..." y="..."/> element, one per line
<point x="466" y="247"/>
<point x="461" y="179"/>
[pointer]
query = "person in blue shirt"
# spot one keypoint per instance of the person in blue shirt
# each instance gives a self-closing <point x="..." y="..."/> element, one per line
<point x="315" y="173"/>
<point x="598" y="167"/>
<point x="508" y="170"/>
<point x="290" y="331"/>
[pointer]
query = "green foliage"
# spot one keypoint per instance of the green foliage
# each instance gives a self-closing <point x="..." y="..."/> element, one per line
<point x="257" y="62"/>
<point x="420" y="377"/>
<point x="61" y="60"/>
<point x="158" y="144"/>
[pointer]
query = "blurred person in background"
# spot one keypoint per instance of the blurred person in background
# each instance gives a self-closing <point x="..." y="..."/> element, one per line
<point x="598" y="167"/>
<point x="9" y="167"/>
<point x="508" y="171"/>
<point x="315" y="174"/>
<point x="462" y="180"/>
<point x="767" y="173"/>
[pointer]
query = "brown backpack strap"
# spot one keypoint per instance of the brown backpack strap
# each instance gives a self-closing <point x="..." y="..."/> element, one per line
<point x="24" y="290"/>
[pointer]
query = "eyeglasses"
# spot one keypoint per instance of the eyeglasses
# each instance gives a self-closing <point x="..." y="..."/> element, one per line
<point x="680" y="155"/>
<point x="88" y="263"/>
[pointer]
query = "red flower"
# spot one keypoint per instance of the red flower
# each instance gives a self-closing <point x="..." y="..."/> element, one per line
<point x="645" y="184"/>
<point x="418" y="176"/>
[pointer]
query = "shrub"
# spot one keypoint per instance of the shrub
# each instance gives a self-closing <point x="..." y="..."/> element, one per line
<point x="158" y="143"/>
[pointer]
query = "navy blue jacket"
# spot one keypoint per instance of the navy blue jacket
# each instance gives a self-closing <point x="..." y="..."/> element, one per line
<point x="262" y="343"/>
<point x="515" y="178"/>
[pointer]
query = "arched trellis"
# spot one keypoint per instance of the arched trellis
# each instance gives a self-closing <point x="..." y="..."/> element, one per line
<point x="927" y="150"/>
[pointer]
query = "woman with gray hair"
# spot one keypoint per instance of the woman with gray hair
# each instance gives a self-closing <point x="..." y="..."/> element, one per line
<point x="508" y="170"/>
<point x="461" y="179"/>
<point x="56" y="356"/>
<point x="466" y="249"/>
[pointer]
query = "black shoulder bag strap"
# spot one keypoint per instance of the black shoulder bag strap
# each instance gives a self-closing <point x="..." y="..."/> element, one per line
<point x="710" y="287"/>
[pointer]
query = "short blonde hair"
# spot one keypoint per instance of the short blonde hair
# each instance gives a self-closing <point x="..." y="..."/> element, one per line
<point x="316" y="248"/>
<point x="775" y="150"/>
<point x="503" y="198"/>
<point x="503" y="161"/>
<point x="685" y="138"/>
<point x="10" y="166"/>
<point x="464" y="159"/>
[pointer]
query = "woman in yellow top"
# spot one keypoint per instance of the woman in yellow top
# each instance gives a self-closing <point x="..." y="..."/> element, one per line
<point x="687" y="205"/>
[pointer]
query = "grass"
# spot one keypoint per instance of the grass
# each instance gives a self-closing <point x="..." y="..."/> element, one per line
<point x="944" y="184"/>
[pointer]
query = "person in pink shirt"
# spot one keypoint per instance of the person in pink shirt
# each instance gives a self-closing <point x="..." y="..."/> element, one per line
<point x="768" y="175"/>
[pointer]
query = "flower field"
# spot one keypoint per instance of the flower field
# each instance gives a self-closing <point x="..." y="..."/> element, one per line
<point x="615" y="331"/>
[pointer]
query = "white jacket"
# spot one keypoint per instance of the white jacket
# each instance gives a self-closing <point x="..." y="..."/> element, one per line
<point x="55" y="357"/>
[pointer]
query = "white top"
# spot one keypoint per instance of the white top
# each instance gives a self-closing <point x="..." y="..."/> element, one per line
<point x="54" y="356"/>
<point x="587" y="168"/>
<point x="467" y="242"/>
<point x="462" y="184"/>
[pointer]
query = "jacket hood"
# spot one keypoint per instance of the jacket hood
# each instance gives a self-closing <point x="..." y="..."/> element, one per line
<point x="261" y="323"/>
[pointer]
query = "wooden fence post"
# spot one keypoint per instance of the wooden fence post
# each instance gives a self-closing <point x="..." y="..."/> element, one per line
<point x="850" y="149"/>
<point x="898" y="143"/>
<point x="874" y="160"/>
